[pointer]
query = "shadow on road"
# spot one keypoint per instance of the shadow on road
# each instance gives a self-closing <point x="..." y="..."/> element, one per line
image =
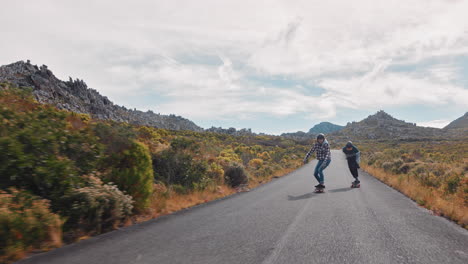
<point x="341" y="190"/>
<point x="300" y="197"/>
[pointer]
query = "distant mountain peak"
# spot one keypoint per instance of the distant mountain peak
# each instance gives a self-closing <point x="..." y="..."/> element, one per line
<point x="381" y="125"/>
<point x="381" y="114"/>
<point x="325" y="127"/>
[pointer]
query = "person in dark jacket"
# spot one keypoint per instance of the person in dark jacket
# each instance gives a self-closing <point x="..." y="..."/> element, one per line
<point x="353" y="156"/>
<point x="323" y="156"/>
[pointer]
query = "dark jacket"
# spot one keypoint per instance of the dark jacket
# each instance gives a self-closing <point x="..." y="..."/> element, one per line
<point x="351" y="154"/>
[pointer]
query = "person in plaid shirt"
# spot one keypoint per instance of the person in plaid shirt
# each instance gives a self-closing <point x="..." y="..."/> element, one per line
<point x="322" y="148"/>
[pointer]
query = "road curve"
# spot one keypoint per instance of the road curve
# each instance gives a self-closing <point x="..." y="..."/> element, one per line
<point x="284" y="222"/>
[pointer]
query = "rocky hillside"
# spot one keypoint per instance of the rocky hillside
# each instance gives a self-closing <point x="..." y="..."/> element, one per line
<point x="460" y="123"/>
<point x="232" y="131"/>
<point x="299" y="136"/>
<point x="74" y="95"/>
<point x="325" y="127"/>
<point x="383" y="126"/>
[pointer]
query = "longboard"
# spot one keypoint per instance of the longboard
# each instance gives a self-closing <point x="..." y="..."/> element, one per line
<point x="319" y="190"/>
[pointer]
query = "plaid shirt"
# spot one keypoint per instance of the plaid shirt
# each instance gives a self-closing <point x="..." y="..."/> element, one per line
<point x="323" y="151"/>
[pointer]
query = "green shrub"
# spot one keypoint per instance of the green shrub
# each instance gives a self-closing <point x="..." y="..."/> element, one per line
<point x="117" y="137"/>
<point x="39" y="153"/>
<point x="181" y="144"/>
<point x="235" y="175"/>
<point x="453" y="182"/>
<point x="97" y="206"/>
<point x="177" y="166"/>
<point x="133" y="174"/>
<point x="429" y="179"/>
<point x="26" y="222"/>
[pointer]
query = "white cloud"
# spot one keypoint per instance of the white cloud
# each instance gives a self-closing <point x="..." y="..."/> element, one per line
<point x="380" y="89"/>
<point x="201" y="56"/>
<point x="444" y="72"/>
<point x="439" y="123"/>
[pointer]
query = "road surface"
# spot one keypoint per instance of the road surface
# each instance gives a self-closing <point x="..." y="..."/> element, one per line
<point x="284" y="222"/>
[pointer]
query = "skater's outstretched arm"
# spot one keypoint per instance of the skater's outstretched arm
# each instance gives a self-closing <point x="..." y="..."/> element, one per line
<point x="312" y="150"/>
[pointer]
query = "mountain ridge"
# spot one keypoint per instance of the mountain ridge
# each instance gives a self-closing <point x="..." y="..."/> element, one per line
<point x="325" y="127"/>
<point x="382" y="125"/>
<point x="76" y="96"/>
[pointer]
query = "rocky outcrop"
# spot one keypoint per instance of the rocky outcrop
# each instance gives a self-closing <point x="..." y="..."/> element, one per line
<point x="75" y="96"/>
<point x="231" y="131"/>
<point x="383" y="126"/>
<point x="298" y="136"/>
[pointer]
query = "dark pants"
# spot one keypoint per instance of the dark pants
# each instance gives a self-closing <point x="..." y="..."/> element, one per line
<point x="353" y="167"/>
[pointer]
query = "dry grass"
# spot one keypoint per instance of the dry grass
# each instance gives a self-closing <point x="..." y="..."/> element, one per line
<point x="255" y="182"/>
<point x="440" y="203"/>
<point x="166" y="201"/>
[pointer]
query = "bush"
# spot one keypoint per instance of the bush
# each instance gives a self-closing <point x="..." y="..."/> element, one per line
<point x="407" y="158"/>
<point x="26" y="222"/>
<point x="177" y="166"/>
<point x="405" y="168"/>
<point x="117" y="137"/>
<point x="264" y="156"/>
<point x="235" y="175"/>
<point x="181" y="144"/>
<point x="453" y="182"/>
<point x="39" y="153"/>
<point x="97" y="206"/>
<point x="227" y="156"/>
<point x="397" y="164"/>
<point x="387" y="166"/>
<point x="133" y="174"/>
<point x="216" y="172"/>
<point x="256" y="163"/>
<point x="429" y="179"/>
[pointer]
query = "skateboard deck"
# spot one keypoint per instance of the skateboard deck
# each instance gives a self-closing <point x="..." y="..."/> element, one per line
<point x="319" y="190"/>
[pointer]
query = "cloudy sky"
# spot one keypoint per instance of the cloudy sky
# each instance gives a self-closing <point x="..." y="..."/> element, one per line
<point x="273" y="66"/>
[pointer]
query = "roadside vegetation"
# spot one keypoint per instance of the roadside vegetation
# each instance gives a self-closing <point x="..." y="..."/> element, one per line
<point x="432" y="173"/>
<point x="65" y="176"/>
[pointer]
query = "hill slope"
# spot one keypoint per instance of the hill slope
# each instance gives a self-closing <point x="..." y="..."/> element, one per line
<point x="325" y="127"/>
<point x="383" y="126"/>
<point x="74" y="95"/>
<point x="461" y="122"/>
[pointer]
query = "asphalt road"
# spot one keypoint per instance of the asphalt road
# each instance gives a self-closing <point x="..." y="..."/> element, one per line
<point x="285" y="222"/>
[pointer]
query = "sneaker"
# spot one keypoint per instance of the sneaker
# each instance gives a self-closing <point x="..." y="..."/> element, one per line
<point x="321" y="186"/>
<point x="357" y="181"/>
<point x="317" y="186"/>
